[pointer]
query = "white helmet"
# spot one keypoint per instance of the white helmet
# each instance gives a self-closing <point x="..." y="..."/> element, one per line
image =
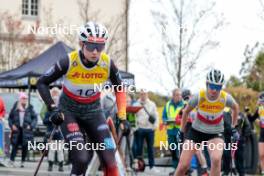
<point x="215" y="77"/>
<point x="93" y="32"/>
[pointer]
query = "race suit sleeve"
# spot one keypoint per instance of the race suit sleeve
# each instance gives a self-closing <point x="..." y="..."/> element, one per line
<point x="54" y="73"/>
<point x="120" y="93"/>
<point x="230" y="101"/>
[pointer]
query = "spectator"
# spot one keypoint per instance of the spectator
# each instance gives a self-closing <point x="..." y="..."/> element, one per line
<point x="57" y="139"/>
<point x="2" y="115"/>
<point x="131" y="117"/>
<point x="2" y="109"/>
<point x="249" y="116"/>
<point x="22" y="120"/>
<point x="170" y="112"/>
<point x="227" y="158"/>
<point x="108" y="103"/>
<point x="147" y="121"/>
<point x="259" y="114"/>
<point x="244" y="129"/>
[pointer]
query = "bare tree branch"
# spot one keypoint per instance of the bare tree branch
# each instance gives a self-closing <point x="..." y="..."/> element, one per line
<point x="176" y="10"/>
<point x="16" y="48"/>
<point x="183" y="52"/>
<point x="154" y="74"/>
<point x="84" y="9"/>
<point x="115" y="27"/>
<point x="262" y="7"/>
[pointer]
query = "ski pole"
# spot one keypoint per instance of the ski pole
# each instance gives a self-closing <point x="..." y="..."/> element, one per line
<point x="45" y="151"/>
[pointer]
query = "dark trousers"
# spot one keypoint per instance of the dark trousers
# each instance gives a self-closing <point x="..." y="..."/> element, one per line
<point x="175" y="154"/>
<point x="16" y="145"/>
<point x="239" y="158"/>
<point x="227" y="156"/>
<point x="148" y="135"/>
<point x="135" y="144"/>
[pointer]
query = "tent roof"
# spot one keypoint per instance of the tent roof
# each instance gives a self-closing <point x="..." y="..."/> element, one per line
<point x="39" y="64"/>
<point x="18" y="77"/>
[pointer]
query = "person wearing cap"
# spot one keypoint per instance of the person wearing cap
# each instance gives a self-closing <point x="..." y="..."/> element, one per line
<point x="238" y="155"/>
<point x="131" y="117"/>
<point x="22" y="120"/>
<point x="170" y="112"/>
<point x="147" y="121"/>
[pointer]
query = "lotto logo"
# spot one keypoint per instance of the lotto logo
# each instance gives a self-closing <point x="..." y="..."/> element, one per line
<point x="211" y="107"/>
<point x="87" y="75"/>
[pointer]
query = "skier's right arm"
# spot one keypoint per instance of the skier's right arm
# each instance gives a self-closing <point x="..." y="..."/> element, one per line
<point x="54" y="73"/>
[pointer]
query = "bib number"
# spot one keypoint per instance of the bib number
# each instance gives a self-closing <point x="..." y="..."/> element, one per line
<point x="210" y="117"/>
<point x="85" y="93"/>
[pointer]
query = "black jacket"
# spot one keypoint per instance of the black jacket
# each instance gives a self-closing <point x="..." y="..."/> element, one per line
<point x="30" y="120"/>
<point x="243" y="126"/>
<point x="252" y="118"/>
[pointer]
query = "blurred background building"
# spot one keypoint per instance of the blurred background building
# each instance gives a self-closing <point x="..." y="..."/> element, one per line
<point x="27" y="27"/>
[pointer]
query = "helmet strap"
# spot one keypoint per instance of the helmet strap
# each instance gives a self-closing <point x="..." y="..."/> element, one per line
<point x="82" y="48"/>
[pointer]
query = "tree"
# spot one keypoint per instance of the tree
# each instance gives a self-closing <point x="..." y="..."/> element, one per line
<point x="261" y="15"/>
<point x="68" y="36"/>
<point x="252" y="68"/>
<point x="244" y="96"/>
<point x="16" y="47"/>
<point x="116" y="46"/>
<point x="249" y="54"/>
<point x="84" y="9"/>
<point x="193" y="28"/>
<point x="234" y="82"/>
<point x="117" y="27"/>
<point x="255" y="79"/>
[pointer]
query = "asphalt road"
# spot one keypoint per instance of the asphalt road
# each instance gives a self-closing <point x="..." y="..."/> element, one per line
<point x="29" y="169"/>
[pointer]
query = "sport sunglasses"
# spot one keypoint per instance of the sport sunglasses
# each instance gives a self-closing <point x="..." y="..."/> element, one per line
<point x="214" y="86"/>
<point x="92" y="46"/>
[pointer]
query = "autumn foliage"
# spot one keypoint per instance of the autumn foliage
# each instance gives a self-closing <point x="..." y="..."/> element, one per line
<point x="244" y="96"/>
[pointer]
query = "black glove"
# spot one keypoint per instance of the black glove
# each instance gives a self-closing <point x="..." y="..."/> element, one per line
<point x="152" y="119"/>
<point x="126" y="127"/>
<point x="235" y="135"/>
<point x="247" y="109"/>
<point x="56" y="116"/>
<point x="180" y="136"/>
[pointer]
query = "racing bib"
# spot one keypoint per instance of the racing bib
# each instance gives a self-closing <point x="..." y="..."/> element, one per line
<point x="211" y="112"/>
<point x="81" y="83"/>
